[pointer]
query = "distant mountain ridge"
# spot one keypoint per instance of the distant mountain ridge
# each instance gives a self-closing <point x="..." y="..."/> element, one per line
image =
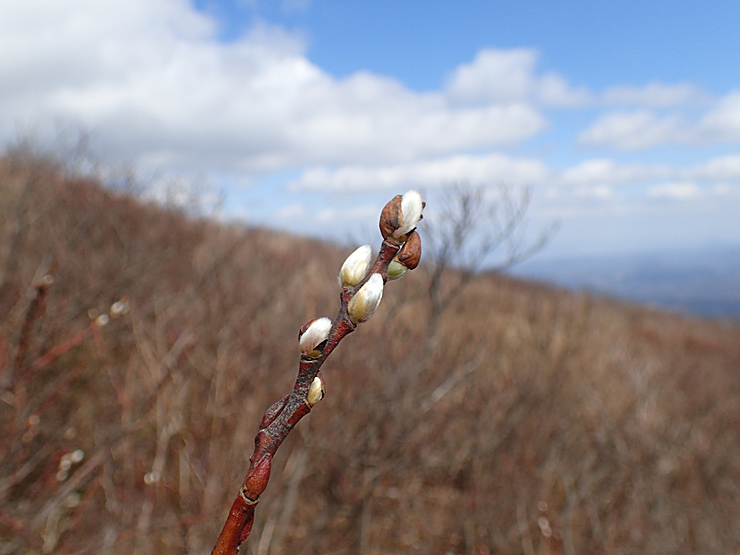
<point x="704" y="283"/>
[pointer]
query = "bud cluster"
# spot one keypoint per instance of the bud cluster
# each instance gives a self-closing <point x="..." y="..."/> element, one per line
<point x="363" y="283"/>
<point x="398" y="223"/>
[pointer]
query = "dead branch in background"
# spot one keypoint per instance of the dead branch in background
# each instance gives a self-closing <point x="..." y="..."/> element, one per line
<point x="362" y="291"/>
<point x="574" y="423"/>
<point x="471" y="231"/>
<point x="470" y="227"/>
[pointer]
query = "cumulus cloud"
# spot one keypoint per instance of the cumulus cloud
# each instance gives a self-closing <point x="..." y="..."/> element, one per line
<point x="721" y="168"/>
<point x="722" y="123"/>
<point x="490" y="168"/>
<point x="332" y="217"/>
<point x="49" y="45"/>
<point x="632" y="130"/>
<point x="641" y="129"/>
<point x="601" y="176"/>
<point x="510" y="76"/>
<point x="554" y="90"/>
<point x="685" y="190"/>
<point x="154" y="84"/>
<point x="658" y="95"/>
<point x="605" y="170"/>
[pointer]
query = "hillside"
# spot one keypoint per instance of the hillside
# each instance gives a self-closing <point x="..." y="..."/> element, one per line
<point x="531" y="420"/>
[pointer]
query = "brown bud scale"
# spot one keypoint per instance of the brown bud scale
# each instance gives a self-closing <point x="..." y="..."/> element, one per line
<point x="391" y="218"/>
<point x="410" y="253"/>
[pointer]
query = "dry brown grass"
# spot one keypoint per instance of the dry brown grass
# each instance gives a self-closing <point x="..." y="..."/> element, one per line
<point x="532" y="421"/>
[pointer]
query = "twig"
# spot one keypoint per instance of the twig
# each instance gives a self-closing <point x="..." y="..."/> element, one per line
<point x="360" y="296"/>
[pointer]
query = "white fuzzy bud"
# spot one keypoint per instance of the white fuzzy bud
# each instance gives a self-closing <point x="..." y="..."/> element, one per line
<point x="315" y="391"/>
<point x="364" y="304"/>
<point x="411" y="208"/>
<point x="119" y="308"/>
<point x="355" y="267"/>
<point x="313" y="334"/>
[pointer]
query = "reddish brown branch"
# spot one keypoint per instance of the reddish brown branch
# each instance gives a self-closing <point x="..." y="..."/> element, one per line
<point x="281" y="417"/>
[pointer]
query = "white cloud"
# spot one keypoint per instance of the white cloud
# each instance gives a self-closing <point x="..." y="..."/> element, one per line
<point x="685" y="190"/>
<point x="607" y="179"/>
<point x="494" y="76"/>
<point x="333" y="221"/>
<point x="718" y="169"/>
<point x="632" y="130"/>
<point x="501" y="76"/>
<point x="554" y="90"/>
<point x="52" y="45"/>
<point x="155" y="86"/>
<point x="722" y="123"/>
<point x="658" y="95"/>
<point x="641" y="129"/>
<point x="483" y="169"/>
<point x="601" y="179"/>
<point x="605" y="170"/>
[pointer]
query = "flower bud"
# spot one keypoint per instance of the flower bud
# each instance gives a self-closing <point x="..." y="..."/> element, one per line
<point x="390" y="217"/>
<point x="119" y="308"/>
<point x="410" y="253"/>
<point x="401" y="215"/>
<point x="364" y="304"/>
<point x="355" y="267"/>
<point x="312" y="335"/>
<point x="396" y="270"/>
<point x="315" y="391"/>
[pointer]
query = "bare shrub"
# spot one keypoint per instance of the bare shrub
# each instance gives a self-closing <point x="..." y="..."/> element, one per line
<point x="544" y="422"/>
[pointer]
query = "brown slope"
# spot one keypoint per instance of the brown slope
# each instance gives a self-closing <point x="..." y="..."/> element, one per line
<point x="532" y="421"/>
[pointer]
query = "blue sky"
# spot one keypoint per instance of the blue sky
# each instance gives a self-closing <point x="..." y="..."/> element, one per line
<point x="623" y="118"/>
<point x="594" y="43"/>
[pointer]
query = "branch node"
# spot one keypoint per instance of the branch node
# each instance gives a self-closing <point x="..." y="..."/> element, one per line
<point x="246" y="499"/>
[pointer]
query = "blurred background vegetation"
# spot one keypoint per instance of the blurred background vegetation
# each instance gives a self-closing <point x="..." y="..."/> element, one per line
<point x="140" y="345"/>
